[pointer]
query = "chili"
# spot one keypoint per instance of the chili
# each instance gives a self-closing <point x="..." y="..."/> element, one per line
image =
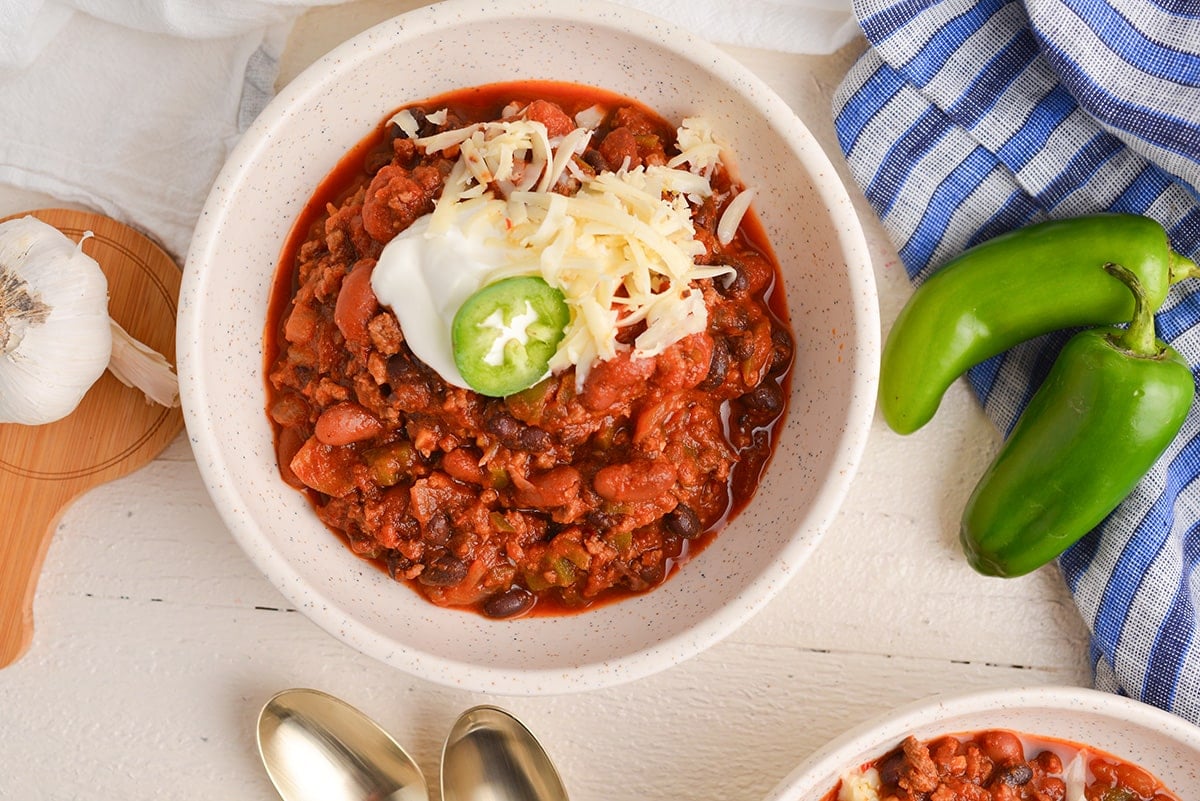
<point x="997" y="765"/>
<point x="558" y="496"/>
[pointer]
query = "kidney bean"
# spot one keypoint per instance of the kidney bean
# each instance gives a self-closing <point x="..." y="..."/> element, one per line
<point x="510" y="603"/>
<point x="346" y="423"/>
<point x="325" y="468"/>
<point x="616" y="380"/>
<point x="638" y="480"/>
<point x="1002" y="747"/>
<point x="286" y="447"/>
<point x="463" y="465"/>
<point x="289" y="409"/>
<point x="356" y="304"/>
<point x="444" y="571"/>
<point x="556" y="487"/>
<point x="1125" y="775"/>
<point x="1049" y="762"/>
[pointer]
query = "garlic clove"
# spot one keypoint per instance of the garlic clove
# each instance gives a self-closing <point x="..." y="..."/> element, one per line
<point x="136" y="365"/>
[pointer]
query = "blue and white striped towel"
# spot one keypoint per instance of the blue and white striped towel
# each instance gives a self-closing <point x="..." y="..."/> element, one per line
<point x="967" y="119"/>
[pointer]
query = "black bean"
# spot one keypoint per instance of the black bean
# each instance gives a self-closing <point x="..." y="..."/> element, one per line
<point x="401" y="370"/>
<point x="593" y="159"/>
<point x="515" y="435"/>
<point x="742" y="347"/>
<point x="718" y="368"/>
<point x="504" y="426"/>
<point x="731" y="285"/>
<point x="683" y="521"/>
<point x="764" y="400"/>
<point x="535" y="440"/>
<point x="1015" y="775"/>
<point x="510" y="603"/>
<point x="438" y="529"/>
<point x="394" y="131"/>
<point x="444" y="571"/>
<point x="781" y="353"/>
<point x="408" y="528"/>
<point x="396" y="563"/>
<point x="600" y="520"/>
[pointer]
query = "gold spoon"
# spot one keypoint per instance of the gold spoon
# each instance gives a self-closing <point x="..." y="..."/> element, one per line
<point x="489" y="755"/>
<point x="319" y="748"/>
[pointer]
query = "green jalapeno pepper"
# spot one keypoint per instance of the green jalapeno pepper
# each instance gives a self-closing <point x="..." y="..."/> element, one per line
<point x="1041" y="278"/>
<point x="504" y="335"/>
<point x="1110" y="406"/>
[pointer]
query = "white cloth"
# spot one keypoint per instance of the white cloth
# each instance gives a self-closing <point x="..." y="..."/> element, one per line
<point x="129" y="107"/>
<point x="789" y="26"/>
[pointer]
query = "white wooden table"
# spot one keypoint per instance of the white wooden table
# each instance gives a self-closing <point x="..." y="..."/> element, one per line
<point x="157" y="641"/>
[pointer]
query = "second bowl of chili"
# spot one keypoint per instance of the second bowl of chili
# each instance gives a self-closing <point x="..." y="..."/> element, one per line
<point x="1012" y="743"/>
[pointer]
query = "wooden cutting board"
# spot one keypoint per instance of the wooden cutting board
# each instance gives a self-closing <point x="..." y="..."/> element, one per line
<point x="114" y="431"/>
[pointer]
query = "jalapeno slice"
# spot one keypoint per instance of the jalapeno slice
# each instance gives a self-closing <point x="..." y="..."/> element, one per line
<point x="504" y="335"/>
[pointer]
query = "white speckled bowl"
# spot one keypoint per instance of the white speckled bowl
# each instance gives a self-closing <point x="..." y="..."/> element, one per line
<point x="303" y="134"/>
<point x="1162" y="743"/>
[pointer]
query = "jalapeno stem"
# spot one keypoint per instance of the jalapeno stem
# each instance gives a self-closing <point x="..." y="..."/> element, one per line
<point x="1180" y="267"/>
<point x="1139" y="338"/>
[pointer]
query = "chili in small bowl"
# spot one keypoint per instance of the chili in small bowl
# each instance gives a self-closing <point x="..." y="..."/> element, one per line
<point x="830" y="321"/>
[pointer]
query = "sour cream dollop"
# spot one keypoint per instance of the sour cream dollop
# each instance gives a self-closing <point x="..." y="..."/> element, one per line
<point x="424" y="278"/>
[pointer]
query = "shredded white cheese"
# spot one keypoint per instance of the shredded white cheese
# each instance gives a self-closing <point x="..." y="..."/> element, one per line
<point x="622" y="248"/>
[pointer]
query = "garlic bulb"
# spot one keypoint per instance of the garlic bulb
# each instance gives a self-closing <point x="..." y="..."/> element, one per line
<point x="56" y="337"/>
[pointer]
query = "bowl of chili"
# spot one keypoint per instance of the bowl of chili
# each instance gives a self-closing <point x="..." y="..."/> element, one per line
<point x="282" y="443"/>
<point x="1012" y="743"/>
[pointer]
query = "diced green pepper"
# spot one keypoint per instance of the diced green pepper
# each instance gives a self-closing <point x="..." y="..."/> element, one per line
<point x="391" y="462"/>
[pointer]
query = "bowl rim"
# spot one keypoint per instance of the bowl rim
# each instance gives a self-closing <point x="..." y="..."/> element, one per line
<point x="884" y="730"/>
<point x="846" y="451"/>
